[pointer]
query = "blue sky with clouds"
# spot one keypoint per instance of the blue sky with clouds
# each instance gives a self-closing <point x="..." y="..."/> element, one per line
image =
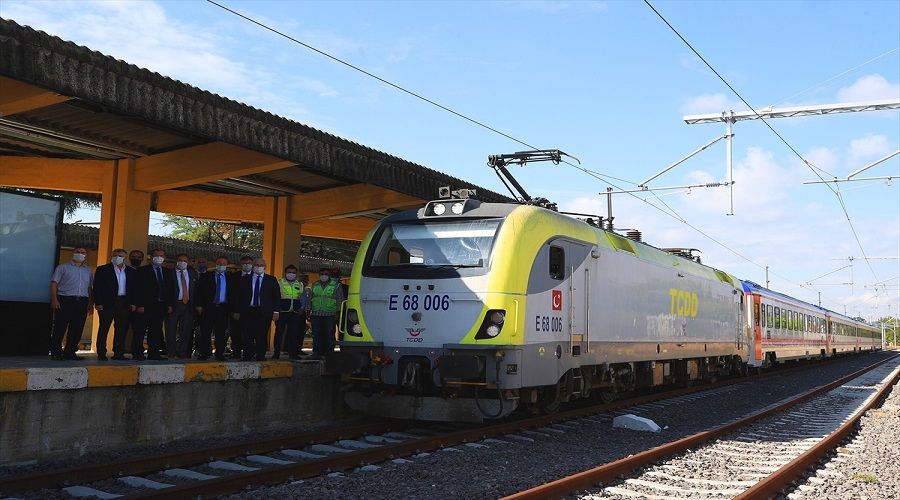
<point x="607" y="82"/>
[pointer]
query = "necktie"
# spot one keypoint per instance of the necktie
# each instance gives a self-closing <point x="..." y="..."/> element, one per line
<point x="219" y="288"/>
<point x="161" y="283"/>
<point x="256" y="291"/>
<point x="184" y="288"/>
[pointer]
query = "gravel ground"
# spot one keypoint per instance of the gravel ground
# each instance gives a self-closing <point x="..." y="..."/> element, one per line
<point x="866" y="466"/>
<point x="498" y="469"/>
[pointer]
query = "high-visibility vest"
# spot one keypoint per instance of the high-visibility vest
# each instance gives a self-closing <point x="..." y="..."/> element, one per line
<point x="323" y="297"/>
<point x="290" y="292"/>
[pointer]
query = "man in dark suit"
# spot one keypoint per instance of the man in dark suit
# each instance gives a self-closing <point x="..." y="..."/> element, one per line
<point x="235" y="330"/>
<point x="114" y="287"/>
<point x="257" y="305"/>
<point x="156" y="289"/>
<point x="180" y="327"/>
<point x="213" y="291"/>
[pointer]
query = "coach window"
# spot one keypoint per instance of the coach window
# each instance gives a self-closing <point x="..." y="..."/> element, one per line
<point x="771" y="315"/>
<point x="761" y="312"/>
<point x="777" y="317"/>
<point x="557" y="263"/>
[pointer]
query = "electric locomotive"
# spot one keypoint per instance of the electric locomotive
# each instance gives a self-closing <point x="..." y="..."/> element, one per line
<point x="466" y="311"/>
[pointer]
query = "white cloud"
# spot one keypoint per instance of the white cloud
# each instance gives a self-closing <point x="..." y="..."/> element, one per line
<point x="869" y="87"/>
<point x="867" y="147"/>
<point x="710" y="103"/>
<point x="142" y="34"/>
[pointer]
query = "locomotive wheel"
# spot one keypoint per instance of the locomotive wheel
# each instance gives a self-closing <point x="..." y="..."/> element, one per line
<point x="607" y="397"/>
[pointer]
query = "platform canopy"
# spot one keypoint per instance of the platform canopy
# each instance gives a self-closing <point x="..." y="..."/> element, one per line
<point x="72" y="119"/>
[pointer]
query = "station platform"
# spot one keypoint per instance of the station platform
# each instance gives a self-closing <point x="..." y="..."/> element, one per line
<point x="65" y="409"/>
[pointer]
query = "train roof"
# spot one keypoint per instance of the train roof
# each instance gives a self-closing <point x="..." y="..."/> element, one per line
<point x="751" y="287"/>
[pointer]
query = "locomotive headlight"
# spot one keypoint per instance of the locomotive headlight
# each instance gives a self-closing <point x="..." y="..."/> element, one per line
<point x="491" y="324"/>
<point x="457" y="208"/>
<point x="357" y="329"/>
<point x="352" y="316"/>
<point x="439" y="208"/>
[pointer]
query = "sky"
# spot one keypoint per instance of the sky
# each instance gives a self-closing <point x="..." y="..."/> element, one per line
<point x="607" y="82"/>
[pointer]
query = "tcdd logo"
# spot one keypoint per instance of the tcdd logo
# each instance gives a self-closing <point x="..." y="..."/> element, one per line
<point x="415" y="332"/>
<point x="557" y="300"/>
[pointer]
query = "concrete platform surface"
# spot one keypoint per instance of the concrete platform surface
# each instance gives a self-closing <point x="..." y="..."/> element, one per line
<point x="35" y="373"/>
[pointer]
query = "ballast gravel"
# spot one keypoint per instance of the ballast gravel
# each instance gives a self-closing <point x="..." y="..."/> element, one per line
<point x="864" y="467"/>
<point x="510" y="464"/>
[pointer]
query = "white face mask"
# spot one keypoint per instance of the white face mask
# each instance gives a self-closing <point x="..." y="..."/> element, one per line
<point x="181" y="265"/>
<point x="290" y="276"/>
<point x="78" y="257"/>
<point x="246" y="267"/>
<point x="259" y="269"/>
<point x="118" y="260"/>
<point x="158" y="260"/>
<point x="324" y="278"/>
<point x="221" y="269"/>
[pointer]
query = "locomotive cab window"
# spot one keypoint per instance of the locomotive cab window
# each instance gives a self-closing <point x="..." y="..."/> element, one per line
<point x="557" y="263"/>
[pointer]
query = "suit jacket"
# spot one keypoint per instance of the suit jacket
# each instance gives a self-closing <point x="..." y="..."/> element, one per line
<point x="192" y="286"/>
<point x="106" y="285"/>
<point x="147" y="291"/>
<point x="269" y="294"/>
<point x="206" y="289"/>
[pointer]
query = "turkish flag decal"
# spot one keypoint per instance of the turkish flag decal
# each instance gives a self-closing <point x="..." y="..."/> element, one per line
<point x="557" y="300"/>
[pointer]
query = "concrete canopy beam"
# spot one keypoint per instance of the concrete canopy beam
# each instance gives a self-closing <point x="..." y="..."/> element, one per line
<point x="55" y="174"/>
<point x="353" y="228"/>
<point x="18" y="97"/>
<point x="199" y="164"/>
<point x="216" y="206"/>
<point x="348" y="201"/>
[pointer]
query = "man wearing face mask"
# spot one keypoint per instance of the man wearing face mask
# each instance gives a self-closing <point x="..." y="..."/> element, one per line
<point x="136" y="258"/>
<point x="212" y="307"/>
<point x="235" y="330"/>
<point x="258" y="300"/>
<point x="294" y="303"/>
<point x="326" y="299"/>
<point x="156" y="291"/>
<point x="180" y="329"/>
<point x="70" y="299"/>
<point x="202" y="266"/>
<point x="114" y="286"/>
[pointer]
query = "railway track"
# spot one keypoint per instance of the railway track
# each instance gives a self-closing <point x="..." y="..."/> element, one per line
<point x="757" y="456"/>
<point x="216" y="471"/>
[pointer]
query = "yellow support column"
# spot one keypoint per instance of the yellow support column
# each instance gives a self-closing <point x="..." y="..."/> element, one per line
<point x="124" y="221"/>
<point x="281" y="240"/>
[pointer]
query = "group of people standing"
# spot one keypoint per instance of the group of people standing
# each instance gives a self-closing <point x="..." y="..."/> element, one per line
<point x="182" y="310"/>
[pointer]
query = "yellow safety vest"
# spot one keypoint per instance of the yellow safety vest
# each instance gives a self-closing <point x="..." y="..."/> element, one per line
<point x="323" y="297"/>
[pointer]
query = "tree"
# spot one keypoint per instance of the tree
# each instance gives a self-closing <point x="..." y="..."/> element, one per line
<point x="246" y="236"/>
<point x="891" y="329"/>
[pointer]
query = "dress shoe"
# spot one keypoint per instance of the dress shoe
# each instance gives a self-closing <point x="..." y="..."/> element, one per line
<point x="57" y="357"/>
<point x="295" y="357"/>
<point x="73" y="358"/>
<point x="276" y="356"/>
<point x="155" y="358"/>
<point x="138" y="358"/>
<point x="102" y="357"/>
<point x="202" y="358"/>
<point x="119" y="357"/>
<point x="219" y="357"/>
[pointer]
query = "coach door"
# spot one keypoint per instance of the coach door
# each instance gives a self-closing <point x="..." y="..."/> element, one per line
<point x="579" y="306"/>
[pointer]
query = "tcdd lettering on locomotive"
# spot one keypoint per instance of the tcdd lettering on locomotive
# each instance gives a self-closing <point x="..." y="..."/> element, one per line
<point x="683" y="303"/>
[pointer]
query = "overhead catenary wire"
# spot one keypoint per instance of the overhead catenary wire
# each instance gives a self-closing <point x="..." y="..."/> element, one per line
<point x="597" y="175"/>
<point x="771" y="128"/>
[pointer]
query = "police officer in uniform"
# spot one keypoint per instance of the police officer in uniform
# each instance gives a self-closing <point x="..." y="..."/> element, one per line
<point x="294" y="304"/>
<point x="326" y="298"/>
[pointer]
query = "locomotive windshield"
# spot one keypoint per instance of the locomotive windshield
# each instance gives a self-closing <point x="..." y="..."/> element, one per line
<point x="418" y="245"/>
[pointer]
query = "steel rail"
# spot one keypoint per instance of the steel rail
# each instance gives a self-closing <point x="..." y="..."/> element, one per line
<point x="611" y="471"/>
<point x="145" y="465"/>
<point x="141" y="465"/>
<point x="780" y="479"/>
<point x="279" y="474"/>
